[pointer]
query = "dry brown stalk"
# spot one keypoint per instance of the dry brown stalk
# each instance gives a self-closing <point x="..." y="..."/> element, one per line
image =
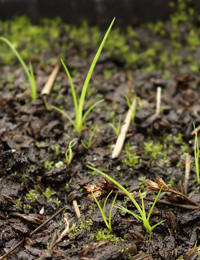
<point x="47" y="88"/>
<point x="155" y="187"/>
<point x="76" y="208"/>
<point x="124" y="129"/>
<point x="72" y="198"/>
<point x="158" y="100"/>
<point x="187" y="172"/>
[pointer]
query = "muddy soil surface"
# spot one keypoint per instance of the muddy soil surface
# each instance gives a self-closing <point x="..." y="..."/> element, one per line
<point x="36" y="183"/>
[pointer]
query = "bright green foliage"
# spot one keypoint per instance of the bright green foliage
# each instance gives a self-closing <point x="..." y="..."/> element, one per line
<point x="36" y="38"/>
<point x="57" y="202"/>
<point x="103" y="213"/>
<point x="131" y="157"/>
<point x="153" y="149"/>
<point x="104" y="234"/>
<point x="48" y="193"/>
<point x="59" y="164"/>
<point x="143" y="182"/>
<point x="30" y="74"/>
<point x="157" y="28"/>
<point x="78" y="104"/>
<point x="50" y="165"/>
<point x="178" y="139"/>
<point x="18" y="204"/>
<point x="142" y="216"/>
<point x="68" y="153"/>
<point x="125" y="44"/>
<point x="32" y="195"/>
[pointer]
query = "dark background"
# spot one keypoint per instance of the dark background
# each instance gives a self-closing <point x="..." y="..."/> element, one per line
<point x="99" y="12"/>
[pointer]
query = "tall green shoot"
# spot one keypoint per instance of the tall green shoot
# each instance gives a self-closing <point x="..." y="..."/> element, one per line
<point x="79" y="103"/>
<point x="30" y="74"/>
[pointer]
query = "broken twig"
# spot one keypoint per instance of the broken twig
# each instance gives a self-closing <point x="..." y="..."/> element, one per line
<point x="187" y="172"/>
<point x="158" y="100"/>
<point x="124" y="129"/>
<point x="47" y="88"/>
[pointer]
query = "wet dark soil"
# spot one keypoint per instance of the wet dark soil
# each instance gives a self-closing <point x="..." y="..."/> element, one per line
<point x="36" y="182"/>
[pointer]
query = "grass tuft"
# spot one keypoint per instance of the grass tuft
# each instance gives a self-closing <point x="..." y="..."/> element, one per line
<point x="78" y="104"/>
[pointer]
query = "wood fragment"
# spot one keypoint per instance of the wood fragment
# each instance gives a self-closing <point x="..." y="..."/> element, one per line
<point x="47" y="88"/>
<point x="124" y="129"/>
<point x="72" y="198"/>
<point x="76" y="208"/>
<point x="158" y="100"/>
<point x="187" y="172"/>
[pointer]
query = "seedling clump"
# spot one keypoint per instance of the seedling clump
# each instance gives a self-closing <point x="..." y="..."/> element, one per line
<point x="32" y="195"/>
<point x="142" y="216"/>
<point x="103" y="211"/>
<point x="48" y="193"/>
<point x="78" y="104"/>
<point x="154" y="150"/>
<point x="131" y="157"/>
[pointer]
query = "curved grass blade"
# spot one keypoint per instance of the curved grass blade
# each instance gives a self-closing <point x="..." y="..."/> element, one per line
<point x="130" y="212"/>
<point x="87" y="80"/>
<point x="33" y="83"/>
<point x="111" y="208"/>
<point x="30" y="74"/>
<point x="65" y="114"/>
<point x="72" y="86"/>
<point x="90" y="109"/>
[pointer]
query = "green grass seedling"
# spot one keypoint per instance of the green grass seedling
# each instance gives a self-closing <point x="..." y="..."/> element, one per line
<point x="68" y="153"/>
<point x="30" y="74"/>
<point x="103" y="213"/>
<point x="78" y="104"/>
<point x="142" y="216"/>
<point x="87" y="146"/>
<point x="116" y="129"/>
<point x="196" y="154"/>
